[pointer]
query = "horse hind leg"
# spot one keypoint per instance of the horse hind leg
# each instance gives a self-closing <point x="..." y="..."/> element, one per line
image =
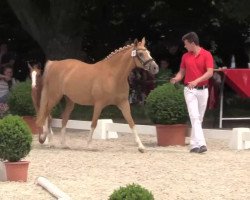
<point x="51" y="133"/>
<point x="125" y="108"/>
<point x="96" y="114"/>
<point x="65" y="117"/>
<point x="48" y="129"/>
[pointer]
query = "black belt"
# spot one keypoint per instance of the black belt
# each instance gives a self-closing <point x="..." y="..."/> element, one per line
<point x="200" y="87"/>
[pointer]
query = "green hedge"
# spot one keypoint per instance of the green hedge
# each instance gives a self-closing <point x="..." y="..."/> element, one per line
<point x="131" y="192"/>
<point x="20" y="101"/>
<point x="15" y="138"/>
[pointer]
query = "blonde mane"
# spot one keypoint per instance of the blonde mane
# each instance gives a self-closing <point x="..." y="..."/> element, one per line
<point x="118" y="51"/>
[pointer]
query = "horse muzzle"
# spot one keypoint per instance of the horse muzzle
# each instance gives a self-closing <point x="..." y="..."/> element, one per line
<point x="154" y="68"/>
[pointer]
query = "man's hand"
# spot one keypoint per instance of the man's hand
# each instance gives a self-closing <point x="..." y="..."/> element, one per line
<point x="192" y="84"/>
<point x="178" y="77"/>
<point x="173" y="80"/>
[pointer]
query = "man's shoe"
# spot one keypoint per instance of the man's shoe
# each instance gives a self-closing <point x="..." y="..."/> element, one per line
<point x="202" y="149"/>
<point x="195" y="150"/>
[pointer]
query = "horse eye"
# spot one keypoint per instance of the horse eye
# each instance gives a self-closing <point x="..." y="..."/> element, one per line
<point x="140" y="54"/>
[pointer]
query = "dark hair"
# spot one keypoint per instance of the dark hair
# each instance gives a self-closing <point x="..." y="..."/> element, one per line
<point x="6" y="66"/>
<point x="191" y="37"/>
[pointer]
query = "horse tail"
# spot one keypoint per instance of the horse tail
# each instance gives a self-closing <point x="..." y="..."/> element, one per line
<point x="44" y="100"/>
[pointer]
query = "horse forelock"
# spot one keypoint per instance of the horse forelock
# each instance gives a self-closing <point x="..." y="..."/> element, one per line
<point x="118" y="51"/>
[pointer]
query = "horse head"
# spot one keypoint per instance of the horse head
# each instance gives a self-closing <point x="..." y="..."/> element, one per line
<point x="35" y="73"/>
<point x="143" y="58"/>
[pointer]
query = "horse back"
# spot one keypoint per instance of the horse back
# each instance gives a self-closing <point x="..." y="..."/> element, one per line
<point x="83" y="83"/>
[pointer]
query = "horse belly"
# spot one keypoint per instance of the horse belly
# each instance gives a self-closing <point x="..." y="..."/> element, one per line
<point x="80" y="94"/>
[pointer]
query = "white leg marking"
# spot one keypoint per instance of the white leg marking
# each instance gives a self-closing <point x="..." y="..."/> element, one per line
<point x="141" y="148"/>
<point x="63" y="138"/>
<point x="90" y="136"/>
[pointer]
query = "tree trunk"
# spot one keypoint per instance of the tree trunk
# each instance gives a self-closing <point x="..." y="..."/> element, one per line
<point x="51" y="24"/>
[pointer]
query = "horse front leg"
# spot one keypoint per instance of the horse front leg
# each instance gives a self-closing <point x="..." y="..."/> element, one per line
<point x="43" y="139"/>
<point x="125" y="108"/>
<point x="65" y="117"/>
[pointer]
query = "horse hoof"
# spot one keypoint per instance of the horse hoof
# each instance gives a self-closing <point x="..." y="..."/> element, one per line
<point x="41" y="139"/>
<point x="65" y="147"/>
<point x="141" y="149"/>
<point x="88" y="142"/>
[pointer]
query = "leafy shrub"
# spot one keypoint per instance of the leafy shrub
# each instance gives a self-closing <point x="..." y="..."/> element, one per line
<point x="20" y="101"/>
<point x="131" y="192"/>
<point x="166" y="105"/>
<point x="4" y="109"/>
<point x="15" y="138"/>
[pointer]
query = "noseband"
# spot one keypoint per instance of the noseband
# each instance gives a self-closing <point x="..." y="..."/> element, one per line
<point x="143" y="63"/>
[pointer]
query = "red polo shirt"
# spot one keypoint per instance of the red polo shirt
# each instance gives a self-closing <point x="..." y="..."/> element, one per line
<point x="196" y="66"/>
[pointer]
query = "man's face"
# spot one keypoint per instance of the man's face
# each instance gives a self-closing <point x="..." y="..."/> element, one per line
<point x="189" y="46"/>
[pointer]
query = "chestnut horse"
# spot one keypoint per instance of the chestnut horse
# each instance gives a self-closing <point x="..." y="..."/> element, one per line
<point x="101" y="84"/>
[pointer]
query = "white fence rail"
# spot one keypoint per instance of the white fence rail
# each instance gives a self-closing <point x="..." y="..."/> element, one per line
<point x="124" y="128"/>
<point x="105" y="128"/>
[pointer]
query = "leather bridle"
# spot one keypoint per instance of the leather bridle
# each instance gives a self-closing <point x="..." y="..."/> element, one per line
<point x="144" y="63"/>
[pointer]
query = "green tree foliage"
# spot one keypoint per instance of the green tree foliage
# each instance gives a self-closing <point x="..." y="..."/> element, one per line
<point x="234" y="9"/>
<point x="59" y="26"/>
<point x="63" y="27"/>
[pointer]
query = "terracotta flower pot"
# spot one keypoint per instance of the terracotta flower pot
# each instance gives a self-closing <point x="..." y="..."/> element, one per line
<point x="170" y="135"/>
<point x="17" y="171"/>
<point x="31" y="121"/>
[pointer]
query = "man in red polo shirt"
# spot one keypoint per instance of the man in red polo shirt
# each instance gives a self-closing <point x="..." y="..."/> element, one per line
<point x="197" y="66"/>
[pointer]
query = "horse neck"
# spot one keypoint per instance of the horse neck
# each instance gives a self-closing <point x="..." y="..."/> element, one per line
<point x="121" y="64"/>
<point x="39" y="83"/>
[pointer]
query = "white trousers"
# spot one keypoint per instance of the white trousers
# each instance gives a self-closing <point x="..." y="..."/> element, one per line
<point x="196" y="103"/>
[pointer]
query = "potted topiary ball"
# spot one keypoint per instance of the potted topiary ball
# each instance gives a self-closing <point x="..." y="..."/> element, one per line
<point x="20" y="103"/>
<point x="131" y="192"/>
<point x="166" y="107"/>
<point x="15" y="144"/>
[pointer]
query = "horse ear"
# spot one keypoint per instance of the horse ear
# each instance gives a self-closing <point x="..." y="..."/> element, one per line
<point x="30" y="66"/>
<point x="143" y="41"/>
<point x="135" y="42"/>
